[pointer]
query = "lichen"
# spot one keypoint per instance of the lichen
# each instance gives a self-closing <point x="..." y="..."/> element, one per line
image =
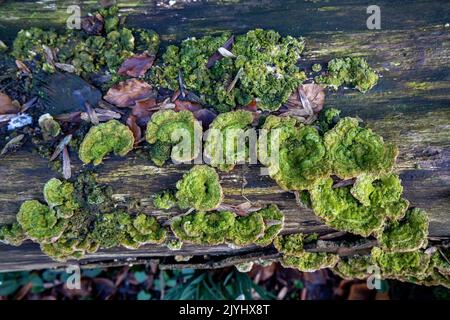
<point x="310" y="261"/>
<point x="349" y="71"/>
<point x="265" y="66"/>
<point x="165" y="200"/>
<point x="291" y="244"/>
<point x="301" y="157"/>
<point x="225" y="143"/>
<point x="12" y="234"/>
<point x="342" y="211"/>
<point x="199" y="189"/>
<point x="247" y="230"/>
<point x="408" y="234"/>
<point x="111" y="136"/>
<point x="167" y="127"/>
<point x="174" y="244"/>
<point x="353" y="150"/>
<point x="50" y="127"/>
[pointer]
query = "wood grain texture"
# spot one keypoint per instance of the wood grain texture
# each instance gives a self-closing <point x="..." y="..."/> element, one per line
<point x="410" y="106"/>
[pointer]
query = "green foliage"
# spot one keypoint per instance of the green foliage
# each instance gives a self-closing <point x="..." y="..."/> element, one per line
<point x="226" y="144"/>
<point x="349" y="71"/>
<point x="353" y="150"/>
<point x="170" y="128"/>
<point x="199" y="189"/>
<point x="111" y="136"/>
<point x="265" y="65"/>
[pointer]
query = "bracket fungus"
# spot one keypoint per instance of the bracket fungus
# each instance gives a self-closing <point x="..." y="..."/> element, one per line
<point x="179" y="130"/>
<point x="111" y="136"/>
<point x="310" y="261"/>
<point x="60" y="196"/>
<point x="353" y="150"/>
<point x="342" y="211"/>
<point x="301" y="153"/>
<point x="226" y="141"/>
<point x="351" y="71"/>
<point x="199" y="189"/>
<point x="165" y="200"/>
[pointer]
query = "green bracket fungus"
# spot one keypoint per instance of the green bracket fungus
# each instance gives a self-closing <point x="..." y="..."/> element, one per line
<point x="12" y="234"/>
<point x="111" y="136"/>
<point x="180" y="130"/>
<point x="60" y="196"/>
<point x="203" y="228"/>
<point x="301" y="156"/>
<point x="165" y="200"/>
<point x="354" y="267"/>
<point x="226" y="142"/>
<point x="159" y="152"/>
<point x="353" y="150"/>
<point x="310" y="261"/>
<point x="351" y="71"/>
<point x="342" y="211"/>
<point x="199" y="189"/>
<point x="262" y="66"/>
<point x="273" y="224"/>
<point x="291" y="244"/>
<point x="408" y="234"/>
<point x="400" y="265"/>
<point x="174" y="245"/>
<point x="224" y="226"/>
<point x="246" y="230"/>
<point x="40" y="222"/>
<point x="145" y="229"/>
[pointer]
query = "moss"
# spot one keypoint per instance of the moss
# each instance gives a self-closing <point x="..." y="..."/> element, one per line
<point x="401" y="264"/>
<point x="60" y="196"/>
<point x="349" y="71"/>
<point x="225" y="144"/>
<point x="409" y="234"/>
<point x="354" y="267"/>
<point x="145" y="229"/>
<point x="310" y="261"/>
<point x="40" y="222"/>
<point x="328" y="118"/>
<point x="199" y="189"/>
<point x="301" y="156"/>
<point x="273" y="224"/>
<point x="159" y="152"/>
<point x="440" y="261"/>
<point x="353" y="150"/>
<point x="165" y="200"/>
<point x="12" y="234"/>
<point x="265" y="63"/>
<point x="172" y="128"/>
<point x="247" y="230"/>
<point x="342" y="211"/>
<point x="111" y="136"/>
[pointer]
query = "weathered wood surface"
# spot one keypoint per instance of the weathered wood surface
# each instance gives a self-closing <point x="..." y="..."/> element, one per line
<point x="410" y="105"/>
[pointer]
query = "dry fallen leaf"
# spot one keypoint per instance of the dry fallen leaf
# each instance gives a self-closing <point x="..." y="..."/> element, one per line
<point x="181" y="105"/>
<point x="67" y="170"/>
<point x="126" y="93"/>
<point x="6" y="105"/>
<point x="22" y="67"/>
<point x="217" y="55"/>
<point x="137" y="65"/>
<point x="93" y="25"/>
<point x="134" y="127"/>
<point x="306" y="100"/>
<point x="12" y="144"/>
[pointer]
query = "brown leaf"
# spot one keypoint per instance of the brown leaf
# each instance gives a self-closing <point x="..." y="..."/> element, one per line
<point x="60" y="147"/>
<point x="93" y="118"/>
<point x="187" y="105"/>
<point x="65" y="67"/>
<point x="137" y="65"/>
<point x="137" y="132"/>
<point x="6" y="105"/>
<point x="205" y="116"/>
<point x="67" y="170"/>
<point x="22" y="67"/>
<point x="315" y="98"/>
<point x="126" y="93"/>
<point x="93" y="25"/>
<point x="12" y="144"/>
<point x="143" y="109"/>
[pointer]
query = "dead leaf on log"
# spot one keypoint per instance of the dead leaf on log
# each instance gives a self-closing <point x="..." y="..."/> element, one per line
<point x="217" y="55"/>
<point x="134" y="127"/>
<point x="126" y="93"/>
<point x="93" y="25"/>
<point x="65" y="67"/>
<point x="205" y="116"/>
<point x="137" y="65"/>
<point x="181" y="105"/>
<point x="7" y="106"/>
<point x="12" y="144"/>
<point x="67" y="170"/>
<point x="22" y="67"/>
<point x="305" y="102"/>
<point x="60" y="147"/>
